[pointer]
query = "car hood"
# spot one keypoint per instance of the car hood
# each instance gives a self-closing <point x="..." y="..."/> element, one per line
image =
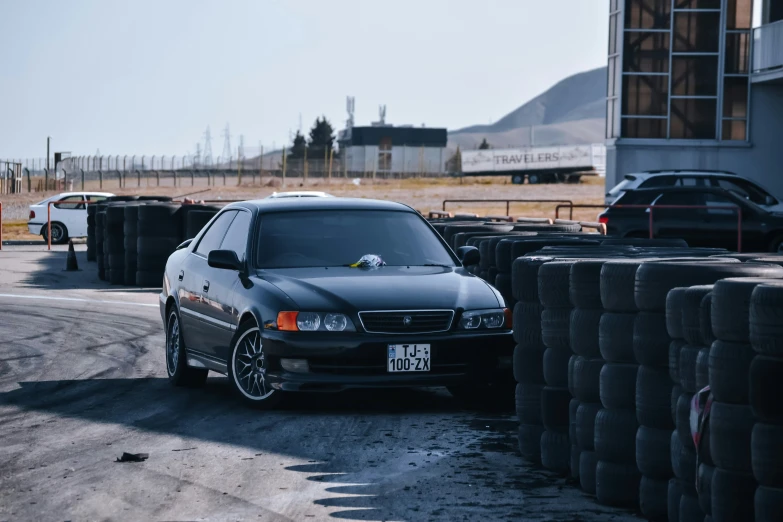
<point x="386" y="288"/>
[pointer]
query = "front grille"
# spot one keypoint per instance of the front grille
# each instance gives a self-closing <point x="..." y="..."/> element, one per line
<point x="402" y="322"/>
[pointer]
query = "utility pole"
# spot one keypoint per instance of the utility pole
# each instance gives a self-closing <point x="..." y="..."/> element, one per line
<point x="48" y="144"/>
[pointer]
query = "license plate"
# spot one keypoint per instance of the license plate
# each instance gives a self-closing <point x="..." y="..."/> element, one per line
<point x="408" y="358"/>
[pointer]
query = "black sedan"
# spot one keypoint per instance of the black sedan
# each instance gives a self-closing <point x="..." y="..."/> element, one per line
<point x="327" y="294"/>
<point x="704" y="217"/>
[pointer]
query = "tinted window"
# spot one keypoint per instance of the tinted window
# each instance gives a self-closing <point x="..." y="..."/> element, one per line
<point x="236" y="237"/>
<point x="92" y="197"/>
<point x="681" y="198"/>
<point x="214" y="236"/>
<point x="693" y="181"/>
<point x="659" y="181"/>
<point x="717" y="204"/>
<point x="69" y="206"/>
<point x="743" y="189"/>
<point x="342" y="237"/>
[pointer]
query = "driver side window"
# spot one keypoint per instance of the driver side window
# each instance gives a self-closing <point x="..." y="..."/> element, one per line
<point x="214" y="236"/>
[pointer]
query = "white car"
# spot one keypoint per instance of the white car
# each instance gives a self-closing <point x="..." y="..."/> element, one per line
<point x="730" y="181"/>
<point x="69" y="215"/>
<point x="299" y="194"/>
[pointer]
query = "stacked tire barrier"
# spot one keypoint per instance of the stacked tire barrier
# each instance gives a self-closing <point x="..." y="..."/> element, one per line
<point x="130" y="236"/>
<point x="765" y="392"/>
<point x="100" y="226"/>
<point x="732" y="419"/>
<point x="159" y="231"/>
<point x="91" y="213"/>
<point x="585" y="294"/>
<point x="114" y="243"/>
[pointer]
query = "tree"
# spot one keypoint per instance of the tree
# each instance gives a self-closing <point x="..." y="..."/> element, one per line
<point x="484" y="145"/>
<point x="321" y="138"/>
<point x="299" y="146"/>
<point x="454" y="163"/>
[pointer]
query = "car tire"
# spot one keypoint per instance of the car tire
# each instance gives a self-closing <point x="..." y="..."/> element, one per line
<point x="587" y="464"/>
<point x="683" y="420"/>
<point x="617" y="386"/>
<point x="731" y="427"/>
<point x="651" y="340"/>
<point x="729" y="371"/>
<point x="654" y="498"/>
<point x="767" y="454"/>
<point x="527" y="398"/>
<point x="766" y="320"/>
<point x="556" y="451"/>
<point x="59" y="233"/>
<point x="555" y="405"/>
<point x="555" y="366"/>
<point x="690" y="510"/>
<point x="617" y="285"/>
<point x="527" y="325"/>
<point x="675" y="347"/>
<point x="528" y="364"/>
<point x="585" y="425"/>
<point x="615" y="337"/>
<point x="691" y="313"/>
<point x="177" y="369"/>
<point x="653" y="452"/>
<point x="674" y="496"/>
<point x="705" y="487"/>
<point x="675" y="301"/>
<point x="556" y="328"/>
<point x="688" y="356"/>
<point x="553" y="284"/>
<point x="617" y="484"/>
<point x="731" y="306"/>
<point x="683" y="463"/>
<point x="768" y="504"/>
<point x="584" y="336"/>
<point x="247" y="362"/>
<point x="585" y="284"/>
<point x="587" y="379"/>
<point x="524" y="278"/>
<point x="733" y="496"/>
<point x="529" y="442"/>
<point x="766" y="388"/>
<point x="615" y="435"/>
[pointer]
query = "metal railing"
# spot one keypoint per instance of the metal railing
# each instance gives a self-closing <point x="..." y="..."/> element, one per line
<point x="650" y="208"/>
<point x="768" y="47"/>
<point x="508" y="202"/>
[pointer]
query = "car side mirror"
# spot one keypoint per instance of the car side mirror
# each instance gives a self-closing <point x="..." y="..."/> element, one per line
<point x="469" y="255"/>
<point x="225" y="259"/>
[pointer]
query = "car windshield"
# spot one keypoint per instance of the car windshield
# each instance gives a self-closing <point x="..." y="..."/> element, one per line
<point x="619" y="188"/>
<point x="332" y="238"/>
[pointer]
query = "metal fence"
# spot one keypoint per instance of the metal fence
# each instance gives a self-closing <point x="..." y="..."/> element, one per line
<point x="768" y="47"/>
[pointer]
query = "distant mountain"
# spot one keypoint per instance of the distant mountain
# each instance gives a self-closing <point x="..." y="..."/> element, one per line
<point x="571" y="112"/>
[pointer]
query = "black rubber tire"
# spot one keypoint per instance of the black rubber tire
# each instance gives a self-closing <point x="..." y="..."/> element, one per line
<point x="675" y="347"/>
<point x="571" y="365"/>
<point x="527" y="325"/>
<point x="555" y="366"/>
<point x="527" y="398"/>
<point x="179" y="373"/>
<point x="585" y="425"/>
<point x="553" y="284"/>
<point x="702" y="368"/>
<point x="732" y="496"/>
<point x="587" y="464"/>
<point x="558" y="227"/>
<point x="768" y="504"/>
<point x="529" y="442"/>
<point x="617" y="484"/>
<point x="690" y="511"/>
<point x="159" y="220"/>
<point x="556" y="328"/>
<point x="492" y="274"/>
<point x="575" y="454"/>
<point x="116" y="276"/>
<point x="766" y="320"/>
<point x="618" y="279"/>
<point x="766" y="388"/>
<point x="503" y="285"/>
<point x="676" y="392"/>
<point x="618" y="385"/>
<point x="503" y="256"/>
<point x="265" y="401"/>
<point x="524" y="278"/>
<point x="654" y="280"/>
<point x="688" y="356"/>
<point x="555" y="403"/>
<point x="683" y="463"/>
<point x="731" y="427"/>
<point x="683" y="420"/>
<point x="731" y="306"/>
<point x="691" y="313"/>
<point x="528" y="364"/>
<point x="556" y="452"/>
<point x="615" y="337"/>
<point x="654" y="498"/>
<point x="653" y="452"/>
<point x="584" y="334"/>
<point x="449" y="231"/>
<point x="704" y="487"/>
<point x="615" y="435"/>
<point x="585" y="283"/>
<point x="573" y="407"/>
<point x="705" y="321"/>
<point x="116" y="261"/>
<point x="651" y="340"/>
<point x="149" y="279"/>
<point x="587" y="379"/>
<point x="653" y="398"/>
<point x="156" y="246"/>
<point x="675" y="301"/>
<point x="729" y="371"/>
<point x="767" y="454"/>
<point x="674" y="496"/>
<point x="154" y="198"/>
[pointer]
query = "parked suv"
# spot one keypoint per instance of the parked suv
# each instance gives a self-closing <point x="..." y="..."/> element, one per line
<point x="714" y="226"/>
<point x="69" y="215"/>
<point x="730" y="181"/>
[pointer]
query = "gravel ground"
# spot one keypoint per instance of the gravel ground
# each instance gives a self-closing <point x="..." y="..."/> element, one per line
<point x="82" y="380"/>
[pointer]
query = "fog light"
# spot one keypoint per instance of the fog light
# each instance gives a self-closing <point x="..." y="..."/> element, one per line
<point x="295" y="365"/>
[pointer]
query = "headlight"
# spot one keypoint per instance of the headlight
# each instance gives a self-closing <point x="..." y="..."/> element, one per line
<point x="312" y="322"/>
<point x="475" y="319"/>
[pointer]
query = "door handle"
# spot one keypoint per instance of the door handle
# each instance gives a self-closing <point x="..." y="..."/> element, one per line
<point x="181" y="274"/>
<point x="206" y="286"/>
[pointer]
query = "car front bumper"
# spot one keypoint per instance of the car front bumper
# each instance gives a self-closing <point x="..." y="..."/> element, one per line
<point x="358" y="360"/>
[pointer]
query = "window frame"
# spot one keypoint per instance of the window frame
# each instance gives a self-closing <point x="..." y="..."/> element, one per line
<point x="249" y="234"/>
<point x="212" y="224"/>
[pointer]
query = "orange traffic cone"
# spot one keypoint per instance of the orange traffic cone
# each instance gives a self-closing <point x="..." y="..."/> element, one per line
<point x="70" y="263"/>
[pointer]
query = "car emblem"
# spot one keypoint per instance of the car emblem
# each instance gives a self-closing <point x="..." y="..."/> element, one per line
<point x="407" y="320"/>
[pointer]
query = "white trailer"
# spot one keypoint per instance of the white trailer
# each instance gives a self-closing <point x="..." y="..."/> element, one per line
<point x="537" y="164"/>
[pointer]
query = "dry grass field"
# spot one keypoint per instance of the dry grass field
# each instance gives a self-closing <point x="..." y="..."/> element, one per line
<point x="423" y="194"/>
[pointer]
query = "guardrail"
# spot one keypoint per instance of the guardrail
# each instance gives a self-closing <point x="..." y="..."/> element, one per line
<point x="650" y="208"/>
<point x="768" y="47"/>
<point x="506" y="201"/>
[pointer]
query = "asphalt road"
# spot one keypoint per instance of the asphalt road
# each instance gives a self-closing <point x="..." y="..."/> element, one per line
<point x="82" y="380"/>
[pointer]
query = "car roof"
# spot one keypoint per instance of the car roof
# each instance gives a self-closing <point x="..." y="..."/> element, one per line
<point x="289" y="204"/>
<point x="689" y="172"/>
<point x="64" y="194"/>
<point x="299" y="194"/>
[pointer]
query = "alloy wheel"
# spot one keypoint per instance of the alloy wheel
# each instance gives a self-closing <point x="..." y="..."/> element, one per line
<point x="172" y="344"/>
<point x="249" y="366"/>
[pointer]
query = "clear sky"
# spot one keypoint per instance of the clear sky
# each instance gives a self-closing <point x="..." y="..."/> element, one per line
<point x="147" y="77"/>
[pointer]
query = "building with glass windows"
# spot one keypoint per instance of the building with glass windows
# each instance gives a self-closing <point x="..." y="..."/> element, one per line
<point x="696" y="84"/>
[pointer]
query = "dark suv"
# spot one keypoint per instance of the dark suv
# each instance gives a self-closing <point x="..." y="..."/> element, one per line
<point x="713" y="225"/>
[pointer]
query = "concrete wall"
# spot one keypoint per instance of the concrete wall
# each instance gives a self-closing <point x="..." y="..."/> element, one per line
<point x="760" y="160"/>
<point x="406" y="160"/>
